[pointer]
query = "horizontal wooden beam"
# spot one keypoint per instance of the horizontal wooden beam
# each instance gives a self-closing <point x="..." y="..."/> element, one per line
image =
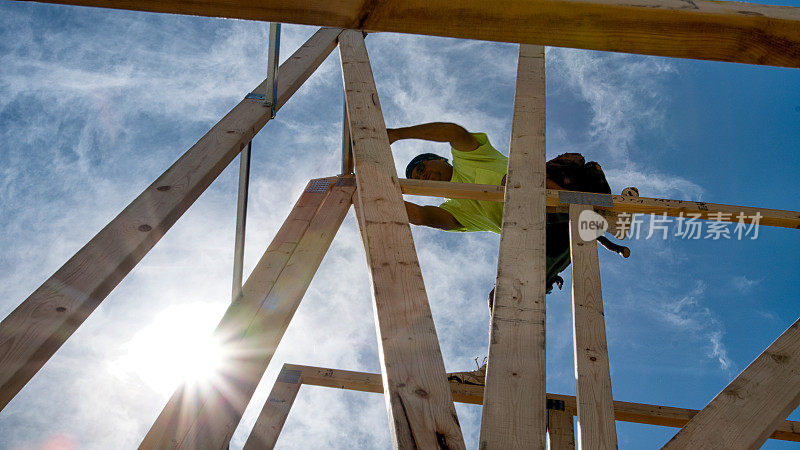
<point x="637" y="205"/>
<point x="38" y="327"/>
<point x="643" y="413"/>
<point x="699" y="29"/>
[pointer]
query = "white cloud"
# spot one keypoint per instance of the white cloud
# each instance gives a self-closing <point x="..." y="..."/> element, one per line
<point x="744" y="284"/>
<point x="688" y="315"/>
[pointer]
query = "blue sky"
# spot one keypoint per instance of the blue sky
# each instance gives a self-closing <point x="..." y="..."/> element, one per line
<point x="95" y="104"/>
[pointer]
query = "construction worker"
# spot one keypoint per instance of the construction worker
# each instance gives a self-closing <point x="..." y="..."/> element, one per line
<point x="474" y="161"/>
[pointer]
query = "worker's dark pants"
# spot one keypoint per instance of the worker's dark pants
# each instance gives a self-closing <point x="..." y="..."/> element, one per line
<point x="556" y="250"/>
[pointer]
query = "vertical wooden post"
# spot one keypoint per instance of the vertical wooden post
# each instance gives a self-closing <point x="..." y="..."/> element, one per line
<point x="514" y="412"/>
<point x="38" y="327"/>
<point x="420" y="405"/>
<point x="596" y="426"/>
<point x="276" y="409"/>
<point x="252" y="328"/>
<point x="560" y="430"/>
<point x="753" y="405"/>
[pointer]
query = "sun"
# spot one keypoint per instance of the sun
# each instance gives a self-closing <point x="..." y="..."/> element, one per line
<point x="176" y="347"/>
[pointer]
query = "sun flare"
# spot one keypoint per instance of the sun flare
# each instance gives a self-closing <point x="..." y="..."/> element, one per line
<point x="176" y="347"/>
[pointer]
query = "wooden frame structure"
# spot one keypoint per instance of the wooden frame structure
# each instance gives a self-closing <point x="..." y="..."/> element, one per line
<point x="418" y="395"/>
<point x="292" y="377"/>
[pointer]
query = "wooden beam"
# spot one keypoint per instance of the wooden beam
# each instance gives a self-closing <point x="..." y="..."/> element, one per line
<point x="34" y="331"/>
<point x="560" y="430"/>
<point x="622" y="204"/>
<point x="596" y="426"/>
<point x="700" y="29"/>
<point x="746" y="412"/>
<point x="643" y="413"/>
<point x="446" y="189"/>
<point x="420" y="405"/>
<point x="250" y="332"/>
<point x="275" y="411"/>
<point x="514" y="413"/>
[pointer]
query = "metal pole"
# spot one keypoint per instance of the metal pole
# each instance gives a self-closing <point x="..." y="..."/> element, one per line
<point x="241" y="219"/>
<point x="271" y="95"/>
<point x="270" y="100"/>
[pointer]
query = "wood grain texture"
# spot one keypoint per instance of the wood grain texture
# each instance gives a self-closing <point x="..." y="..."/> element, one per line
<point x="514" y="414"/>
<point x="596" y="426"/>
<point x="644" y="413"/>
<point x="700" y="29"/>
<point x="560" y="430"/>
<point x="250" y="332"/>
<point x="420" y="406"/>
<point x="269" y="424"/>
<point x="37" y="328"/>
<point x="622" y="204"/>
<point x="746" y="412"/>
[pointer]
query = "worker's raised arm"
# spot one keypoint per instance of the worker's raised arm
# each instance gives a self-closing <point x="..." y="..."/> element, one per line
<point x="431" y="216"/>
<point x="458" y="137"/>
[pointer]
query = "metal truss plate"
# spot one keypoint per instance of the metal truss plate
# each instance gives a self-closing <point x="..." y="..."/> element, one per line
<point x="584" y="198"/>
<point x="346" y="181"/>
<point x="320" y="185"/>
<point x="289" y="376"/>
<point x="254" y="96"/>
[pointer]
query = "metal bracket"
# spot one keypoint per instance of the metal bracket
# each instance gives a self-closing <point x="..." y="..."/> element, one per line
<point x="557" y="405"/>
<point x="585" y="198"/>
<point x="319" y="185"/>
<point x="254" y="96"/>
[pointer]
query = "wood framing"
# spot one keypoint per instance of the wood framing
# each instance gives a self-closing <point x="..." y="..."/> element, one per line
<point x="701" y="29"/>
<point x="275" y="411"/>
<point x="514" y="413"/>
<point x="643" y="413"/>
<point x="420" y="406"/>
<point x="622" y="204"/>
<point x="560" y="430"/>
<point x="746" y="412"/>
<point x="251" y="330"/>
<point x="37" y="328"/>
<point x="596" y="426"/>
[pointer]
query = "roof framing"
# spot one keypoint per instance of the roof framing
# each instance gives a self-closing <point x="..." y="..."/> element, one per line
<point x="667" y="416"/>
<point x="698" y="29"/>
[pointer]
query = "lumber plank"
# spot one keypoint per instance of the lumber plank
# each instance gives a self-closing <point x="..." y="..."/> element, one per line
<point x="668" y="416"/>
<point x="747" y="411"/>
<point x="419" y="403"/>
<point x="250" y="332"/>
<point x="622" y="204"/>
<point x="596" y="426"/>
<point x="700" y="29"/>
<point x="514" y="413"/>
<point x="37" y="328"/>
<point x="275" y="411"/>
<point x="560" y="430"/>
